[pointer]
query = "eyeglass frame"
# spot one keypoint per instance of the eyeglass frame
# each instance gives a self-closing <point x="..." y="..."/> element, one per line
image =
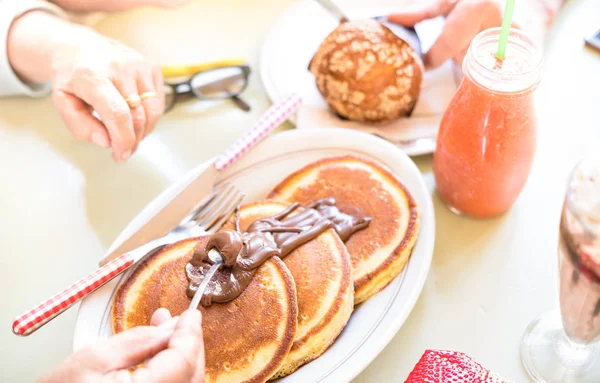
<point x="191" y="91"/>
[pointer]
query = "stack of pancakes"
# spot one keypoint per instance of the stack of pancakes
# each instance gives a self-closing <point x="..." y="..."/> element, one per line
<point x="294" y="308"/>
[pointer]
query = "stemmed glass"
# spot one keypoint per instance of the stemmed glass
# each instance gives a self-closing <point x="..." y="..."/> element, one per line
<point x="563" y="346"/>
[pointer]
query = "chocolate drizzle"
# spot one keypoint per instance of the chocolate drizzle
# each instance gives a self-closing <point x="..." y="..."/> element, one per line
<point x="277" y="236"/>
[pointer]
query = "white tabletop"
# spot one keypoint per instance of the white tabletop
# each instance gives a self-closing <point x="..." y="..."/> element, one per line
<point x="62" y="202"/>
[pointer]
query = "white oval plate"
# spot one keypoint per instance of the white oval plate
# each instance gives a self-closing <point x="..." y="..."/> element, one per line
<point x="373" y="323"/>
<point x="296" y="35"/>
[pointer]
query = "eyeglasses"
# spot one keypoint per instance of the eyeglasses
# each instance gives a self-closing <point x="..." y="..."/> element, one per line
<point x="214" y="84"/>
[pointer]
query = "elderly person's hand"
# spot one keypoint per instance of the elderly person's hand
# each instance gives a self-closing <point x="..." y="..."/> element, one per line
<point x="89" y="72"/>
<point x="175" y="356"/>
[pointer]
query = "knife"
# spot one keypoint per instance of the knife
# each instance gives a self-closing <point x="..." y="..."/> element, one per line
<point x="173" y="211"/>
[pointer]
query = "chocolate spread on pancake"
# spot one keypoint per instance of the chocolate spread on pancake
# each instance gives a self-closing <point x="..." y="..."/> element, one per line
<point x="277" y="236"/>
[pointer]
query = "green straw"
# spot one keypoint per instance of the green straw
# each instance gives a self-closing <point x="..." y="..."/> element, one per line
<point x="506" y="21"/>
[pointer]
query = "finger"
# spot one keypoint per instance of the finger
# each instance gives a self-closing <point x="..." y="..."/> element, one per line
<point x="161" y="89"/>
<point x="455" y="37"/>
<point x="77" y="116"/>
<point x="159" y="84"/>
<point x="416" y="13"/>
<point x="125" y="349"/>
<point x="199" y="374"/>
<point x="127" y="86"/>
<point x="118" y="376"/>
<point x="184" y="359"/>
<point x="160" y="316"/>
<point x="168" y="3"/>
<point x="114" y="112"/>
<point x="458" y="59"/>
<point x="153" y="106"/>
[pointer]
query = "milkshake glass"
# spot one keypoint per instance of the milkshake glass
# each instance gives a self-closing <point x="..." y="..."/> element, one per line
<point x="564" y="347"/>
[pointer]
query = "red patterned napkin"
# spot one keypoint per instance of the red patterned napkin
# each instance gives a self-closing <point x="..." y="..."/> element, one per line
<point x="437" y="366"/>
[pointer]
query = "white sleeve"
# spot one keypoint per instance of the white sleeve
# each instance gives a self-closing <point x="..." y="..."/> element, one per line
<point x="10" y="10"/>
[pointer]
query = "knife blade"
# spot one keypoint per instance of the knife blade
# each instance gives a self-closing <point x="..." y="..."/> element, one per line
<point x="408" y="34"/>
<point x="171" y="212"/>
<point x="334" y="10"/>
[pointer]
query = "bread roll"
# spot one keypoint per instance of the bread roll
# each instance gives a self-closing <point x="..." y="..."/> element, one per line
<point x="367" y="73"/>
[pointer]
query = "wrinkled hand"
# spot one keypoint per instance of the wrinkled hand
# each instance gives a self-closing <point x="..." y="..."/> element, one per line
<point x="464" y="20"/>
<point x="176" y="355"/>
<point x="92" y="72"/>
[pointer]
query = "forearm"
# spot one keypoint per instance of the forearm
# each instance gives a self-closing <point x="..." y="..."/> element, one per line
<point x="98" y="5"/>
<point x="32" y="40"/>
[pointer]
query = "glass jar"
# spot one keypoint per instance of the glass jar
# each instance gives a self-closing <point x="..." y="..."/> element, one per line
<point x="487" y="138"/>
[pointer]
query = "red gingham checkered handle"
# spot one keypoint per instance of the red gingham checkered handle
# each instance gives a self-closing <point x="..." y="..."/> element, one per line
<point x="272" y="118"/>
<point x="31" y="320"/>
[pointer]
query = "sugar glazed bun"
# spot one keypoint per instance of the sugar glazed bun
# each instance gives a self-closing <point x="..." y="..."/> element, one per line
<point x="367" y="73"/>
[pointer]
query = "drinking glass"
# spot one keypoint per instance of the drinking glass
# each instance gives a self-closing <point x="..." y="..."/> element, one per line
<point x="563" y="346"/>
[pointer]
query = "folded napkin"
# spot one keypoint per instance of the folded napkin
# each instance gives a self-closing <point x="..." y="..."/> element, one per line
<point x="438" y="88"/>
<point x="437" y="366"/>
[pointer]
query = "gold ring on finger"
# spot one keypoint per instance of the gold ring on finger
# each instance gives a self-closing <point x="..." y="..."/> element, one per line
<point x="133" y="100"/>
<point x="147" y="95"/>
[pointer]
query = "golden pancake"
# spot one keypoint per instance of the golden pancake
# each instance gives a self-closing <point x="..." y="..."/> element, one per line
<point x="323" y="276"/>
<point x="246" y="340"/>
<point x="362" y="188"/>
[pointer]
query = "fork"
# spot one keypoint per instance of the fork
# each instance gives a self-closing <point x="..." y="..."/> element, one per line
<point x="206" y="219"/>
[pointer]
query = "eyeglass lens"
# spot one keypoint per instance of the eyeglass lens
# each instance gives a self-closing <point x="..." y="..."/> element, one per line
<point x="219" y="83"/>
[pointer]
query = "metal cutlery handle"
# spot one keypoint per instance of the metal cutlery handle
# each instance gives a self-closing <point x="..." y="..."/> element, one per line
<point x="271" y="119"/>
<point x="216" y="257"/>
<point x="334" y="10"/>
<point x="31" y="320"/>
<point x="202" y="287"/>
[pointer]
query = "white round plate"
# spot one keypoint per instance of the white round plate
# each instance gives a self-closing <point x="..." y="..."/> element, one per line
<point x="374" y="322"/>
<point x="294" y="38"/>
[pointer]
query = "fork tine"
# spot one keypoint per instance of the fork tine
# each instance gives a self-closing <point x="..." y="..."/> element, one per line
<point x="226" y="214"/>
<point x="214" y="203"/>
<point x="224" y="209"/>
<point x="201" y="206"/>
<point x="218" y="211"/>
